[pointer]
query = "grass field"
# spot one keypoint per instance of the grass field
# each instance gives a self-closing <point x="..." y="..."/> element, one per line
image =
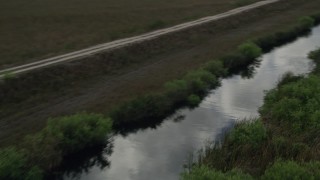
<point x="36" y="29"/>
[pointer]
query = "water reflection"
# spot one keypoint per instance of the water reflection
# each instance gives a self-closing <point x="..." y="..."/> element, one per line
<point x="160" y="153"/>
<point x="76" y="165"/>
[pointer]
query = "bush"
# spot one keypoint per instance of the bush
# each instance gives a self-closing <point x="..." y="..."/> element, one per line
<point x="250" y="50"/>
<point x="307" y="22"/>
<point x="177" y="90"/>
<point x="200" y="81"/>
<point x="79" y="131"/>
<point x="315" y="55"/>
<point x="272" y="40"/>
<point x="149" y="107"/>
<point x="13" y="165"/>
<point x="64" y="136"/>
<point x="294" y="105"/>
<point x="252" y="133"/>
<point x="193" y="100"/>
<point x="205" y="173"/>
<point x="288" y="170"/>
<point x="154" y="107"/>
<point x="215" y="67"/>
<point x="288" y="78"/>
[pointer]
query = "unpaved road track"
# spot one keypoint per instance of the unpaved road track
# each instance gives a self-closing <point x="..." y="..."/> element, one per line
<point x="127" y="41"/>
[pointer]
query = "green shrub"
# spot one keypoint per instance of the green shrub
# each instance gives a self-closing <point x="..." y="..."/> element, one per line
<point x="200" y="81"/>
<point x="43" y="150"/>
<point x="194" y="100"/>
<point x="287" y="78"/>
<point x="177" y="90"/>
<point x="64" y="136"/>
<point x="215" y="67"/>
<point x="205" y="173"/>
<point x="79" y="131"/>
<point x="272" y="40"/>
<point x="294" y="105"/>
<point x="34" y="173"/>
<point x="252" y="133"/>
<point x="14" y="166"/>
<point x="149" y="107"/>
<point x="287" y="170"/>
<point x="315" y="55"/>
<point x="250" y="50"/>
<point x="307" y="22"/>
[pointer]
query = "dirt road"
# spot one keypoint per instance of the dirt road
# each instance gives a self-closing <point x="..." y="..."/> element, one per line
<point x="127" y="41"/>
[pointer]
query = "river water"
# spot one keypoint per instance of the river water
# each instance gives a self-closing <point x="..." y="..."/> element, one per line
<point x="159" y="153"/>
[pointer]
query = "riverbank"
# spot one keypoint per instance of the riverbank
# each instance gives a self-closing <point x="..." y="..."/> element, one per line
<point x="282" y="144"/>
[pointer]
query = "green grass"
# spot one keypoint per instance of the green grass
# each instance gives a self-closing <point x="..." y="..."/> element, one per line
<point x="43" y="28"/>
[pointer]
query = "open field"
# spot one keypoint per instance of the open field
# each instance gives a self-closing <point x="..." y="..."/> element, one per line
<point x="151" y="71"/>
<point x="32" y="30"/>
<point x="131" y="41"/>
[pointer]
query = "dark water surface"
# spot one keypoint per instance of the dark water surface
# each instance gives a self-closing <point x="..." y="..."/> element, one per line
<point x="159" y="153"/>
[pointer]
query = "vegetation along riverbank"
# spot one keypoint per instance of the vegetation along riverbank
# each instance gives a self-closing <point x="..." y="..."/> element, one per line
<point x="118" y="76"/>
<point x="63" y="136"/>
<point x="283" y="143"/>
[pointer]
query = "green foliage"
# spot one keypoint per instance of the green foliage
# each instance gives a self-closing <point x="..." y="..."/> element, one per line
<point x="294" y="104"/>
<point x="272" y="40"/>
<point x="245" y="54"/>
<point x="153" y="107"/>
<point x="64" y="136"/>
<point x="307" y="22"/>
<point x="149" y="107"/>
<point x="253" y="133"/>
<point x="193" y="100"/>
<point x="200" y="81"/>
<point x="78" y="131"/>
<point x="177" y="90"/>
<point x="14" y="166"/>
<point x="287" y="170"/>
<point x="215" y="67"/>
<point x="250" y="50"/>
<point x="34" y="173"/>
<point x="205" y="173"/>
<point x="287" y="78"/>
<point x="315" y="55"/>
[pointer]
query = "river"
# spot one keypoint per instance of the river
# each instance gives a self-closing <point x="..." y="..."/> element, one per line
<point x="159" y="152"/>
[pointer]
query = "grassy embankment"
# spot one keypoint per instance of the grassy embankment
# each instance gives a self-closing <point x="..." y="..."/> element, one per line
<point x="44" y="28"/>
<point x="64" y="136"/>
<point x="283" y="143"/>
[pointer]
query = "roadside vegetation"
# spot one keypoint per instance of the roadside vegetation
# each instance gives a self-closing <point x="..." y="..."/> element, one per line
<point x="283" y="144"/>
